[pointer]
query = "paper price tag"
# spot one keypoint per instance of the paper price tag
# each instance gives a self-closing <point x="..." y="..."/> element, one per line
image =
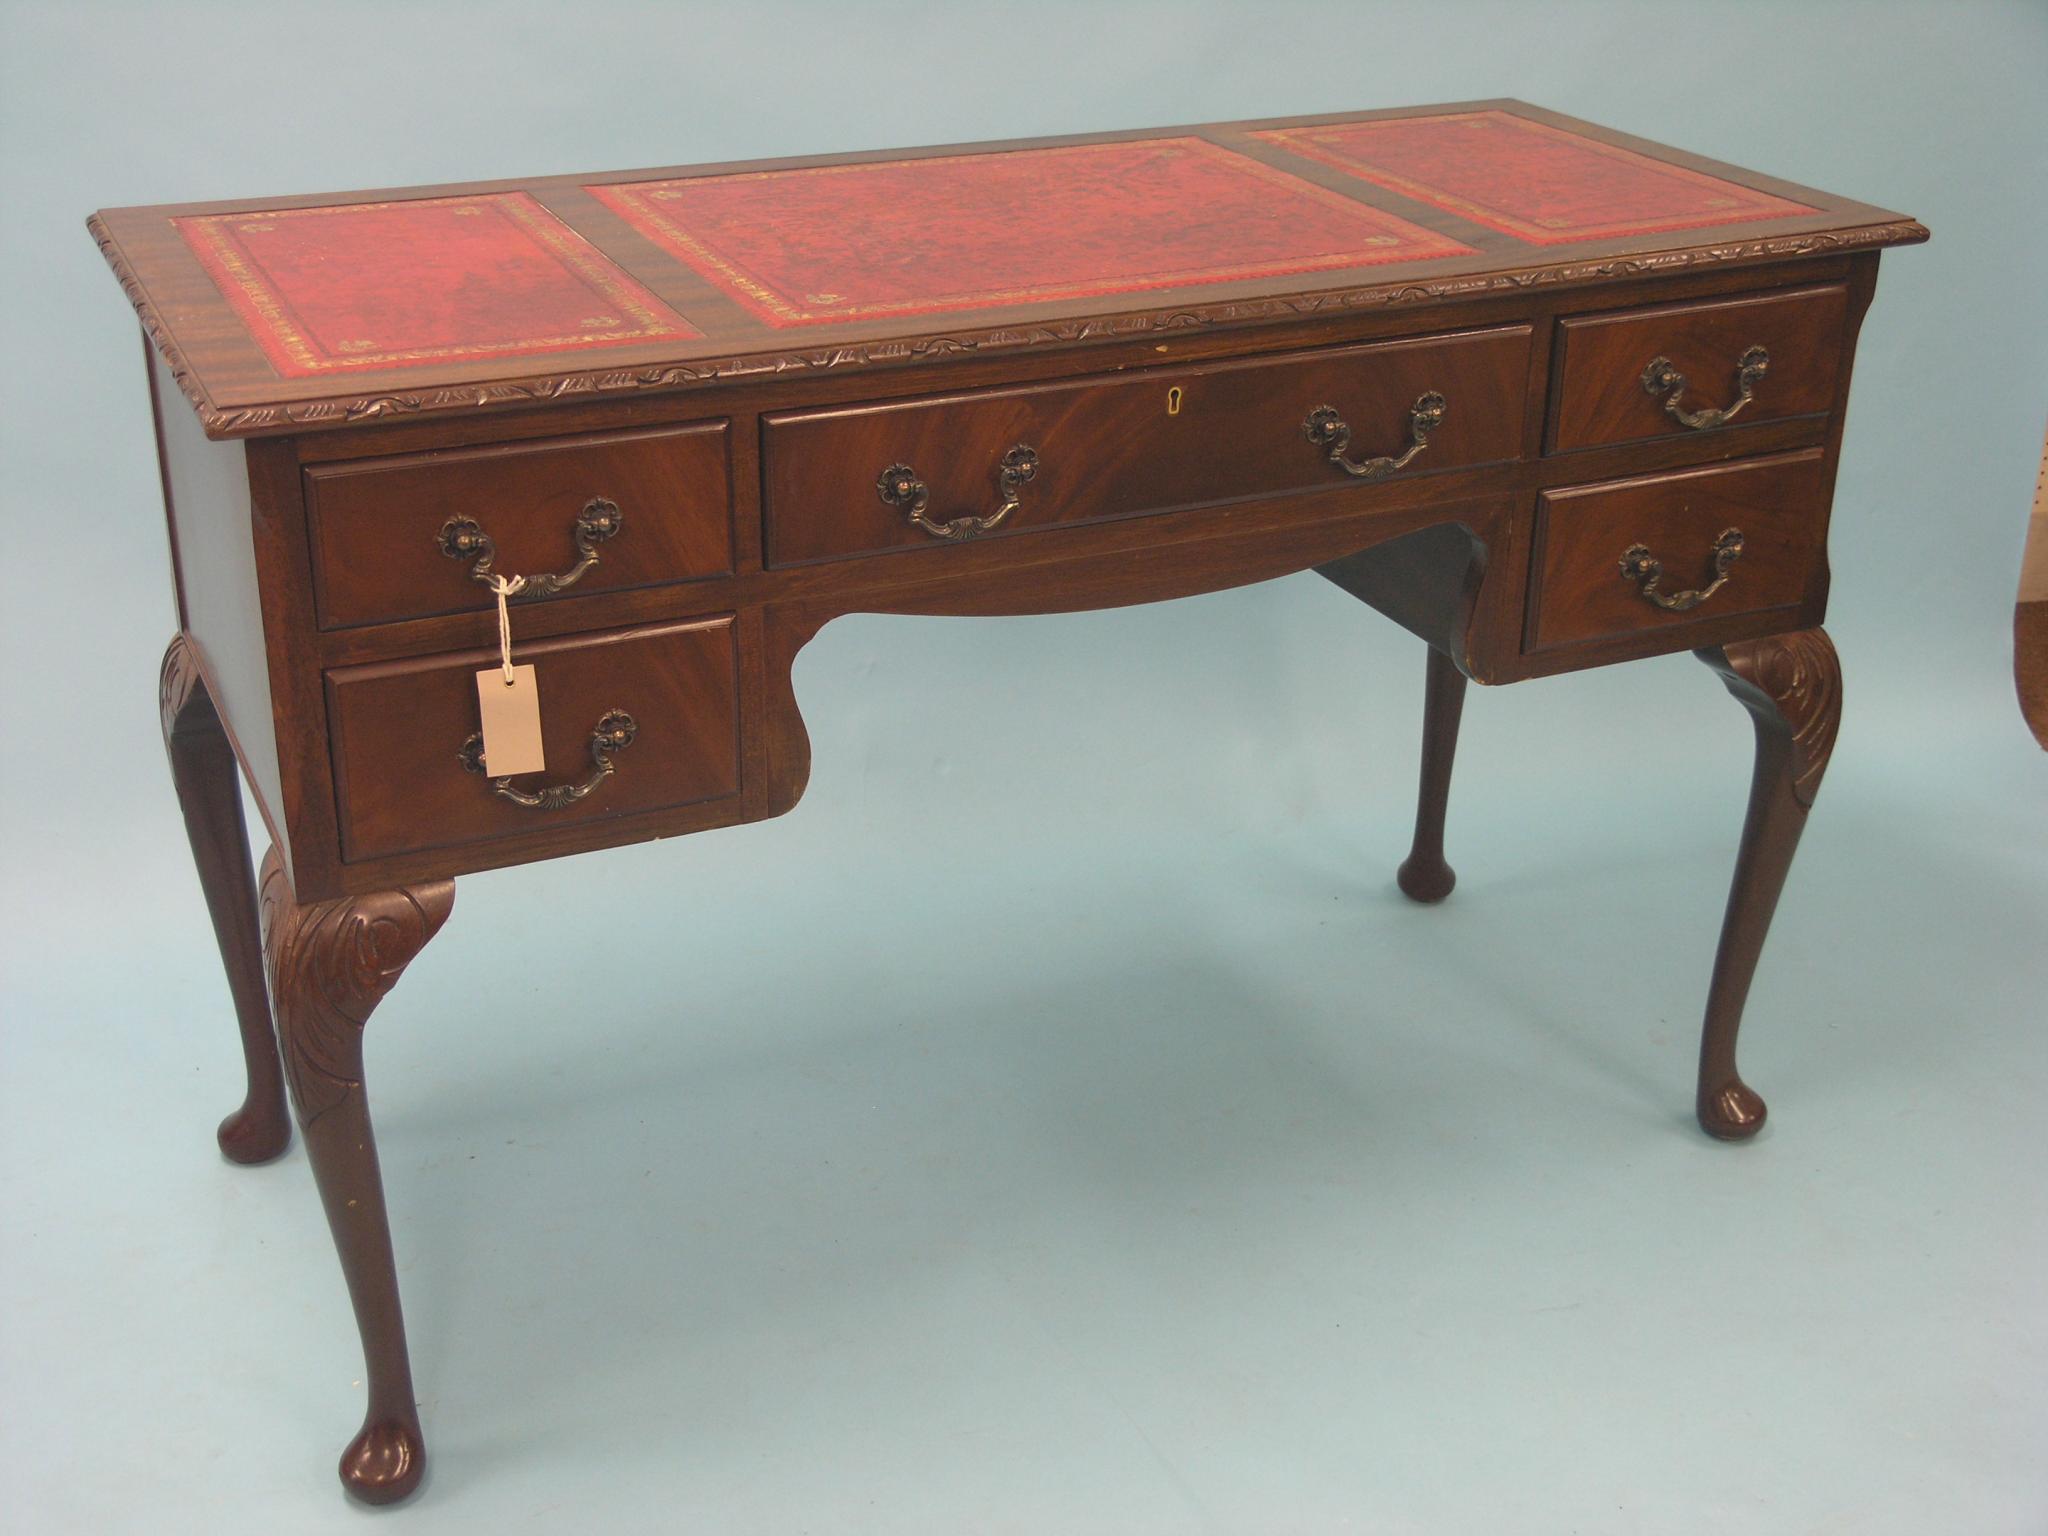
<point x="511" y="717"/>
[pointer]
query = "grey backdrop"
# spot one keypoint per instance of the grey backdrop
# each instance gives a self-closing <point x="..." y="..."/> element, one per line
<point x="1058" y="1123"/>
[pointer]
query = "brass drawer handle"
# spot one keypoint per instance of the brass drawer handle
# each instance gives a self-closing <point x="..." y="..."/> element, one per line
<point x="899" y="486"/>
<point x="1645" y="569"/>
<point x="462" y="538"/>
<point x="1327" y="430"/>
<point x="1660" y="378"/>
<point x="614" y="733"/>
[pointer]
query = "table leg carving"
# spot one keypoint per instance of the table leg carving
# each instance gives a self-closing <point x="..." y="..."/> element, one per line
<point x="1424" y="876"/>
<point x="331" y="963"/>
<point x="210" y="796"/>
<point x="1792" y="687"/>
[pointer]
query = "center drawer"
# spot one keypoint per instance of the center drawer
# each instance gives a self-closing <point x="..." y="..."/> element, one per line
<point x="405" y="779"/>
<point x="1155" y="440"/>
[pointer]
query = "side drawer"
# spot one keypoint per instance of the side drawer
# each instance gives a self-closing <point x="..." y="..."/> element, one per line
<point x="399" y="730"/>
<point x="1156" y="440"/>
<point x="377" y="524"/>
<point x="1609" y="392"/>
<point x="1589" y="581"/>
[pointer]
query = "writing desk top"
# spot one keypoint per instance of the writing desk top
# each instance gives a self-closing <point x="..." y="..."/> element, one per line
<point x="284" y="314"/>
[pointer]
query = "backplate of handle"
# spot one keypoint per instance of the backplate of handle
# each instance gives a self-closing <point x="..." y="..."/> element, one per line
<point x="613" y="733"/>
<point x="1662" y="378"/>
<point x="1331" y="433"/>
<point x="1647" y="571"/>
<point x="463" y="538"/>
<point x="901" y="486"/>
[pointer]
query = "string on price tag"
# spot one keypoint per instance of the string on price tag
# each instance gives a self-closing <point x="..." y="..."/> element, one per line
<point x="508" y="699"/>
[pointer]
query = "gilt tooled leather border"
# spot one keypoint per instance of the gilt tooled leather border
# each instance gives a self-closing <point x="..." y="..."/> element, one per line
<point x="915" y="236"/>
<point x="1507" y="206"/>
<point x="625" y="312"/>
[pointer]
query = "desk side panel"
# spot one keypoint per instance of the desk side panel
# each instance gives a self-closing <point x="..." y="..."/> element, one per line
<point x="213" y="554"/>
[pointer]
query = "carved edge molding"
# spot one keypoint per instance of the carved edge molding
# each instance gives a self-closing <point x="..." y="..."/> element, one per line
<point x="342" y="409"/>
<point x="330" y="964"/>
<point x="1800" y="677"/>
<point x="153" y="325"/>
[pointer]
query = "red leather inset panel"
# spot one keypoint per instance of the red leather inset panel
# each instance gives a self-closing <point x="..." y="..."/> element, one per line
<point x="436" y="279"/>
<point x="952" y="232"/>
<point x="1541" y="184"/>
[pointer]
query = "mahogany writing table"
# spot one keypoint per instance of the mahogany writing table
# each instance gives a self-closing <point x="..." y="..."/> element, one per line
<point x="1547" y="395"/>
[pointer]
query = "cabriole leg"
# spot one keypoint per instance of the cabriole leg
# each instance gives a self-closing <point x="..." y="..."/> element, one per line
<point x="331" y="963"/>
<point x="1792" y="687"/>
<point x="210" y="795"/>
<point x="1424" y="876"/>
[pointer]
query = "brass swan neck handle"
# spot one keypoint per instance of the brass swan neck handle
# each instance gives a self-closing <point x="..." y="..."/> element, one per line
<point x="1662" y="378"/>
<point x="463" y="538"/>
<point x="900" y="486"/>
<point x="1647" y="571"/>
<point x="613" y="733"/>
<point x="1330" y="432"/>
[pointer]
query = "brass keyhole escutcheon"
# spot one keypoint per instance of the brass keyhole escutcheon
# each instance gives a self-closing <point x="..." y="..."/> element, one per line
<point x="1173" y="399"/>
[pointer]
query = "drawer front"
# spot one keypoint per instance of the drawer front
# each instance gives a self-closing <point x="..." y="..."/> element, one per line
<point x="1590" y="583"/>
<point x="1605" y="373"/>
<point x="399" y="729"/>
<point x="376" y="524"/>
<point x="1156" y="440"/>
